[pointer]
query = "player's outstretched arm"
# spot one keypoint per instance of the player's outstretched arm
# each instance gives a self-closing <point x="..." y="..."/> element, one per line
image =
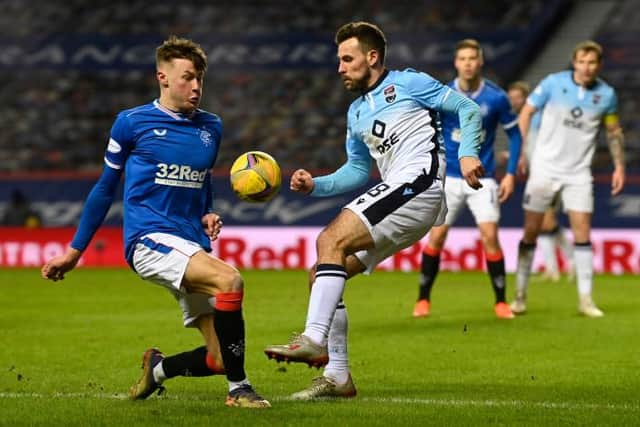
<point x="56" y="267"/>
<point x="301" y="182"/>
<point x="95" y="209"/>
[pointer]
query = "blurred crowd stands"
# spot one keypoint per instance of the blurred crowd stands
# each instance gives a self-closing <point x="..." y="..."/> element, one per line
<point x="59" y="119"/>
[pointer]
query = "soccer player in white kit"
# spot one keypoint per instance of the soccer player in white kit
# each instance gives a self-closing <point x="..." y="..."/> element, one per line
<point x="167" y="148"/>
<point x="394" y="120"/>
<point x="552" y="235"/>
<point x="574" y="104"/>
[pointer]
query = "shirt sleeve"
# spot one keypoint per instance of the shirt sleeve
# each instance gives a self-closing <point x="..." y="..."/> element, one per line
<point x="509" y="122"/>
<point x="540" y="95"/>
<point x="430" y="93"/>
<point x="96" y="207"/>
<point x="351" y="175"/>
<point x="121" y="142"/>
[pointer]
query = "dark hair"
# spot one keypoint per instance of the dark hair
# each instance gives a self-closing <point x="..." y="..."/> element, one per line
<point x="369" y="36"/>
<point x="176" y="47"/>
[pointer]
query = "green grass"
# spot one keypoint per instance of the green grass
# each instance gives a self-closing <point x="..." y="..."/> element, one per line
<point x="69" y="351"/>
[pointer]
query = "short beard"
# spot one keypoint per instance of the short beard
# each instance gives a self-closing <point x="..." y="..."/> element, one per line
<point x="360" y="85"/>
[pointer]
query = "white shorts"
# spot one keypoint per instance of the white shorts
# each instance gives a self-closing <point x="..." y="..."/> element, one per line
<point x="542" y="192"/>
<point x="397" y="216"/>
<point x="162" y="259"/>
<point x="483" y="203"/>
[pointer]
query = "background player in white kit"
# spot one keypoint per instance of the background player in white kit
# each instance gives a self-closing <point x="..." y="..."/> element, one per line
<point x="484" y="203"/>
<point x="575" y="103"/>
<point x="552" y="236"/>
<point x="394" y="120"/>
<point x="167" y="148"/>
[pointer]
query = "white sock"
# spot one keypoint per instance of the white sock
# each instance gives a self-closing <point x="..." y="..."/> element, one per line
<point x="525" y="260"/>
<point x="158" y="373"/>
<point x="325" y="295"/>
<point x="565" y="246"/>
<point x="338" y="366"/>
<point x="583" y="255"/>
<point x="548" y="247"/>
<point x="235" y="384"/>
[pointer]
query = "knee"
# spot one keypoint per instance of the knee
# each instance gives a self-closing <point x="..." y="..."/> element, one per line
<point x="230" y="281"/>
<point x="329" y="241"/>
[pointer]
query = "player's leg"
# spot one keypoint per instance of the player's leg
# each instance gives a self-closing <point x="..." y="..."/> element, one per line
<point x="526" y="251"/>
<point x="546" y="242"/>
<point x="212" y="276"/>
<point x="495" y="268"/>
<point x="539" y="194"/>
<point x="162" y="259"/>
<point x="429" y="269"/>
<point x="430" y="264"/>
<point x="577" y="199"/>
<point x="583" y="255"/>
<point x="203" y="361"/>
<point x="485" y="207"/>
<point x="336" y="379"/>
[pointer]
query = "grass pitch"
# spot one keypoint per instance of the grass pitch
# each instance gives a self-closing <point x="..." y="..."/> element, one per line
<point x="69" y="351"/>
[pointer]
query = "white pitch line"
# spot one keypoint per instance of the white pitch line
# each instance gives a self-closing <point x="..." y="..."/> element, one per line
<point x="397" y="400"/>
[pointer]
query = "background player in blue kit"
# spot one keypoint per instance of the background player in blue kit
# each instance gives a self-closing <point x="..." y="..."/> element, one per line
<point x="484" y="203"/>
<point x="394" y="120"/>
<point x="574" y="104"/>
<point x="166" y="149"/>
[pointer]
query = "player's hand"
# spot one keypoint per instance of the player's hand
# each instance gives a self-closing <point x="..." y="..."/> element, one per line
<point x="507" y="185"/>
<point x="617" y="181"/>
<point x="212" y="225"/>
<point x="56" y="267"/>
<point x="301" y="182"/>
<point x="472" y="171"/>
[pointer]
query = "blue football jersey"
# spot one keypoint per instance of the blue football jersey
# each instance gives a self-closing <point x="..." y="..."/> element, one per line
<point x="571" y="117"/>
<point x="495" y="108"/>
<point x="167" y="157"/>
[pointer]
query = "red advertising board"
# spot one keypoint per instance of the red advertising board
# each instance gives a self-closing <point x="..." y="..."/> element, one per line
<point x="615" y="250"/>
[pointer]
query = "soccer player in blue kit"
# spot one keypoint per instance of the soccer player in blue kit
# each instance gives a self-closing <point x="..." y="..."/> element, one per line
<point x="484" y="203"/>
<point x="574" y="104"/>
<point x="393" y="120"/>
<point x="166" y="149"/>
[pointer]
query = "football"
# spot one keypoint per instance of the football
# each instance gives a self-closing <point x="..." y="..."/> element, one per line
<point x="255" y="177"/>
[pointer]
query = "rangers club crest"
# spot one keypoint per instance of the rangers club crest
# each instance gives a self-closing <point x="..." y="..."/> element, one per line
<point x="389" y="94"/>
<point x="205" y="137"/>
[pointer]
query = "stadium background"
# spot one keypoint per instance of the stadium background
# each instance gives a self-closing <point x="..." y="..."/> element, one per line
<point x="69" y="67"/>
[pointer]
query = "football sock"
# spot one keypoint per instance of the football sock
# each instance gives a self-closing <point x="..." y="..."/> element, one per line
<point x="583" y="255"/>
<point x="429" y="270"/>
<point x="229" y="327"/>
<point x="565" y="246"/>
<point x="325" y="294"/>
<point x="338" y="366"/>
<point x="495" y="266"/>
<point x="547" y="244"/>
<point x="188" y="364"/>
<point x="525" y="260"/>
<point x="158" y="373"/>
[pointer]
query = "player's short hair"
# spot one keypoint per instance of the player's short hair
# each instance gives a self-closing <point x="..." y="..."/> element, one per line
<point x="369" y="36"/>
<point x="588" y="46"/>
<point x="522" y="86"/>
<point x="469" y="44"/>
<point x="179" y="48"/>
